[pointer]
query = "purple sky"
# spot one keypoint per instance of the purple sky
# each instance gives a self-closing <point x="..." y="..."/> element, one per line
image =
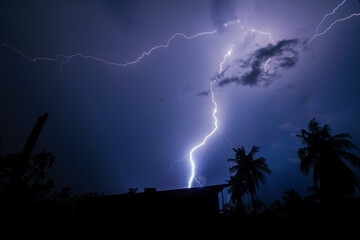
<point x="113" y="127"/>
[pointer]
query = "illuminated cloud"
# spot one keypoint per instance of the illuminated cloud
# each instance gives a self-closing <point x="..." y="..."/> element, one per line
<point x="264" y="64"/>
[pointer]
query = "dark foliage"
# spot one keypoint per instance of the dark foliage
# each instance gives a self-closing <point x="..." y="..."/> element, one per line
<point x="29" y="205"/>
<point x="25" y="178"/>
<point x="328" y="157"/>
<point x="249" y="172"/>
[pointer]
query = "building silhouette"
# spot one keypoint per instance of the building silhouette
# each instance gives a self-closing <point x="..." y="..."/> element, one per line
<point x="152" y="208"/>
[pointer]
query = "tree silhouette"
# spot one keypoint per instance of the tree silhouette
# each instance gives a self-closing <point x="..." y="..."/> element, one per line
<point x="248" y="173"/>
<point x="22" y="174"/>
<point x="326" y="155"/>
<point x="26" y="179"/>
<point x="291" y="198"/>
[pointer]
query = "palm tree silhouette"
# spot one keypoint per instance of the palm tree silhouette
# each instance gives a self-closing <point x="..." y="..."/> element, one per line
<point x="325" y="154"/>
<point x="291" y="197"/>
<point x="248" y="173"/>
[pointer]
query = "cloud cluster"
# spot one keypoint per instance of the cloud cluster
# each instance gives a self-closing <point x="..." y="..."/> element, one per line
<point x="264" y="64"/>
<point x="204" y="93"/>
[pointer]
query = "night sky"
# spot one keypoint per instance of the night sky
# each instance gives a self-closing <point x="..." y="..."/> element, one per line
<point x="112" y="127"/>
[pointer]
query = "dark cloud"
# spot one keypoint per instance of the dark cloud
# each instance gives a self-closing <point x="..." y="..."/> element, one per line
<point x="265" y="64"/>
<point x="204" y="93"/>
<point x="222" y="11"/>
<point x="227" y="81"/>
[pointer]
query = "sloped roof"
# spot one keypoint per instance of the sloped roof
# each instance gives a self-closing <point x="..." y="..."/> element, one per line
<point x="173" y="193"/>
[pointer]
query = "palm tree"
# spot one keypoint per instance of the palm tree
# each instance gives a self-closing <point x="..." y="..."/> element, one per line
<point x="326" y="155"/>
<point x="237" y="190"/>
<point x="248" y="173"/>
<point x="291" y="197"/>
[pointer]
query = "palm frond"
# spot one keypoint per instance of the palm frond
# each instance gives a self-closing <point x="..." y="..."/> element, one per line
<point x="253" y="151"/>
<point x="352" y="158"/>
<point x="234" y="160"/>
<point x="307" y="161"/>
<point x="340" y="143"/>
<point x="234" y="168"/>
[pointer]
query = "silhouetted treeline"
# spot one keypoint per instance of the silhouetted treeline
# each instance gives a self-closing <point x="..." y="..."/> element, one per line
<point x="28" y="200"/>
<point x="328" y="211"/>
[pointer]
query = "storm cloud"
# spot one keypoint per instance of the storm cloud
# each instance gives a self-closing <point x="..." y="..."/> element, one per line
<point x="264" y="64"/>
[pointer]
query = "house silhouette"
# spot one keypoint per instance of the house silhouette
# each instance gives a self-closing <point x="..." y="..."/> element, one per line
<point x="152" y="208"/>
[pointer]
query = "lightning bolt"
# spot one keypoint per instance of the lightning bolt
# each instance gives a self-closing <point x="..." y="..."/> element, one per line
<point x="191" y="157"/>
<point x="317" y="33"/>
<point x="67" y="58"/>
<point x="215" y="109"/>
<point x="266" y="65"/>
<point x="192" y="161"/>
<point x="328" y="14"/>
<point x="224" y="59"/>
<point x="263" y="33"/>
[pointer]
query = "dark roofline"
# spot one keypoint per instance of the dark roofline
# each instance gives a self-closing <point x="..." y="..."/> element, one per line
<point x="179" y="191"/>
<point x="210" y="188"/>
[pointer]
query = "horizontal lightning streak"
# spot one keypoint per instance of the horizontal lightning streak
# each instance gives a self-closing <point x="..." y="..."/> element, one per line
<point x="317" y="34"/>
<point x="326" y="30"/>
<point x="328" y="14"/>
<point x="264" y="33"/>
<point x="167" y="45"/>
<point x="68" y="57"/>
